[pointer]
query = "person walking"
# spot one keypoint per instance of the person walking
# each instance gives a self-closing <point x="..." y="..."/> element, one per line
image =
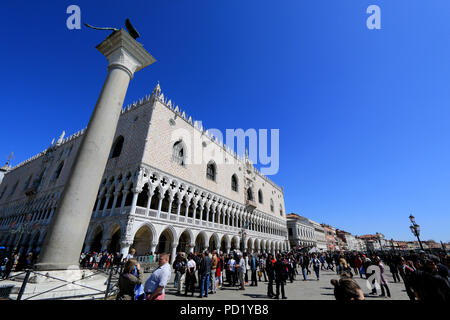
<point x="280" y="277"/>
<point x="242" y="271"/>
<point x="358" y="265"/>
<point x="247" y="267"/>
<point x="304" y="264"/>
<point x="232" y="269"/>
<point x="254" y="268"/>
<point x="214" y="262"/>
<point x="316" y="265"/>
<point x="269" y="266"/>
<point x="128" y="280"/>
<point x="322" y="261"/>
<point x="262" y="270"/>
<point x="219" y="271"/>
<point x="204" y="273"/>
<point x="179" y="266"/>
<point x="383" y="279"/>
<point x="393" y="268"/>
<point x="190" y="275"/>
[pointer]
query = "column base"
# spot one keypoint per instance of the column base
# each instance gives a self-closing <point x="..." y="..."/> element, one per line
<point x="56" y="266"/>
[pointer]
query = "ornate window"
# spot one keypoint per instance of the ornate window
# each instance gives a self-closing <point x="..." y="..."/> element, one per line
<point x="211" y="171"/>
<point x="281" y="210"/>
<point x="234" y="183"/>
<point x="178" y="153"/>
<point x="117" y="147"/>
<point x="260" y="196"/>
<point x="271" y="205"/>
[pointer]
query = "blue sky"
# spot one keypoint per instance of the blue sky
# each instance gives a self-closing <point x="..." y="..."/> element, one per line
<point x="364" y="115"/>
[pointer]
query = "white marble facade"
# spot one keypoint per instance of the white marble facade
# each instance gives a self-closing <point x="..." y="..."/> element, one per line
<point x="151" y="197"/>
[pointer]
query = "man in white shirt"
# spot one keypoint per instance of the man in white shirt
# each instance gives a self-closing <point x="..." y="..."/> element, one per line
<point x="130" y="254"/>
<point x="154" y="286"/>
<point x="231" y="266"/>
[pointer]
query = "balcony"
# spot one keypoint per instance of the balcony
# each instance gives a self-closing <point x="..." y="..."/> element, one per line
<point x="250" y="205"/>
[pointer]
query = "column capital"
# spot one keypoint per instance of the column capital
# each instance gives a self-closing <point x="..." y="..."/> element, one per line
<point x="124" y="52"/>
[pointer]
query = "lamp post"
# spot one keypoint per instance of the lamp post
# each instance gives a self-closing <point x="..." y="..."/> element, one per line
<point x="415" y="229"/>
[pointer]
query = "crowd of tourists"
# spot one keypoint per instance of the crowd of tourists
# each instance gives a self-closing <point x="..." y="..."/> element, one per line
<point x="16" y="262"/>
<point x="425" y="276"/>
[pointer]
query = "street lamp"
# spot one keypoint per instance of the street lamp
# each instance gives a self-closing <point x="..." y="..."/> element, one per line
<point x="415" y="229"/>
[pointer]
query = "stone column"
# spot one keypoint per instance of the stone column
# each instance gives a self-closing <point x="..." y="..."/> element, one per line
<point x="105" y="243"/>
<point x="214" y="215"/>
<point x="179" y="207"/>
<point x="169" y="211"/>
<point x="124" y="198"/>
<point x="160" y="197"/>
<point x="149" y="202"/>
<point x="194" y="212"/>
<point x="201" y="212"/>
<point x="134" y="201"/>
<point x="99" y="202"/>
<point x="188" y="204"/>
<point x="105" y="206"/>
<point x="67" y="231"/>
<point x="113" y="207"/>
<point x="174" y="253"/>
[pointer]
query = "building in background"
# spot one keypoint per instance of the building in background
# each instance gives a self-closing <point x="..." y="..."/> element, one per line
<point x="319" y="235"/>
<point x="330" y="236"/>
<point x="300" y="231"/>
<point x="361" y="244"/>
<point x="347" y="241"/>
<point x="376" y="242"/>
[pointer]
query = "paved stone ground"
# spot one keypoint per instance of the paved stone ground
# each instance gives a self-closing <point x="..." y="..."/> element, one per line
<point x="298" y="290"/>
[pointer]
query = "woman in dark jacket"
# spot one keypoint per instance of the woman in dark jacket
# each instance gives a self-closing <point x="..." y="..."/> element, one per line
<point x="128" y="281"/>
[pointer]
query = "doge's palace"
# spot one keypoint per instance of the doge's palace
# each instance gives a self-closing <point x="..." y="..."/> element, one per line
<point x="155" y="195"/>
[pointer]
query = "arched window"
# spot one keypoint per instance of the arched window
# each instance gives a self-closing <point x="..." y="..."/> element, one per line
<point x="281" y="210"/>
<point x="178" y="153"/>
<point x="249" y="194"/>
<point x="117" y="147"/>
<point x="211" y="171"/>
<point x="271" y="205"/>
<point x="234" y="183"/>
<point x="260" y="196"/>
<point x="58" y="171"/>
